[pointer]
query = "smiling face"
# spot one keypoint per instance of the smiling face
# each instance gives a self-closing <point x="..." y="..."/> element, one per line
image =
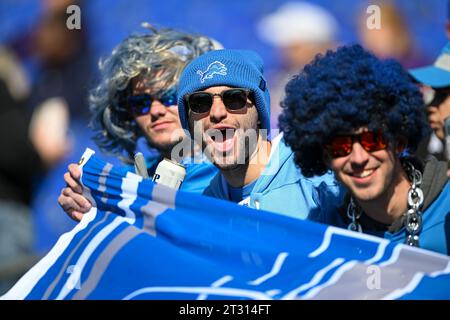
<point x="159" y="124"/>
<point x="368" y="175"/>
<point x="229" y="138"/>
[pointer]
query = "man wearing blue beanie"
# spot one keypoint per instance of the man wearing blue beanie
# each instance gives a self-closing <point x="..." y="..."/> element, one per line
<point x="223" y="102"/>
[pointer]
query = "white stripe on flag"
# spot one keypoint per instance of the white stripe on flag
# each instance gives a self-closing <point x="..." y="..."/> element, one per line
<point x="342" y="232"/>
<point x="127" y="184"/>
<point x="24" y="286"/>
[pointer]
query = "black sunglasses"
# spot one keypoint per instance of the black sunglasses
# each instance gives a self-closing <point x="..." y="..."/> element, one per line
<point x="233" y="99"/>
<point x="140" y="104"/>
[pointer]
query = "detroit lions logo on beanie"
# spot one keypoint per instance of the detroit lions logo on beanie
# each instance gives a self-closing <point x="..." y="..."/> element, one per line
<point x="215" y="67"/>
<point x="232" y="68"/>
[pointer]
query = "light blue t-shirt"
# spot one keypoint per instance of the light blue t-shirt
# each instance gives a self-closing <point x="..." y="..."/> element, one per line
<point x="281" y="187"/>
<point x="198" y="176"/>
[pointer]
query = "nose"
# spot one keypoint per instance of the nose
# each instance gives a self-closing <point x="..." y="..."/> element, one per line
<point x="157" y="109"/>
<point x="359" y="156"/>
<point x="218" y="110"/>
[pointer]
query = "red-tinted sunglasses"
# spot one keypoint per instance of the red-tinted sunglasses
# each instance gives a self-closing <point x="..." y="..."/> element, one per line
<point x="341" y="146"/>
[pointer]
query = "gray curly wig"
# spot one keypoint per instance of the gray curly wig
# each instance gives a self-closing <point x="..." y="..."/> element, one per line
<point x="161" y="57"/>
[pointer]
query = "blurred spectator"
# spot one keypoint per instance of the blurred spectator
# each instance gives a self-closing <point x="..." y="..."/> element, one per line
<point x="34" y="138"/>
<point x="27" y="150"/>
<point x="393" y="39"/>
<point x="59" y="96"/>
<point x="64" y="60"/>
<point x="435" y="79"/>
<point x="299" y="30"/>
<point x="13" y="75"/>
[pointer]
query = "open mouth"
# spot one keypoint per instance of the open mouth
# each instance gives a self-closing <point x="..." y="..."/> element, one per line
<point x="222" y="139"/>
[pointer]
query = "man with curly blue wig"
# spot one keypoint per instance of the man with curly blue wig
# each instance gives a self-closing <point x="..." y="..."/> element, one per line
<point x="136" y="98"/>
<point x="362" y="118"/>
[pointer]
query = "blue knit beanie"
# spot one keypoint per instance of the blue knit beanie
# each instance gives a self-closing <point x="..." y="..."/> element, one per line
<point x="232" y="68"/>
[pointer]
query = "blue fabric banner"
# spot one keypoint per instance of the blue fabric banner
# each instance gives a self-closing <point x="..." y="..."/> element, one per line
<point x="146" y="241"/>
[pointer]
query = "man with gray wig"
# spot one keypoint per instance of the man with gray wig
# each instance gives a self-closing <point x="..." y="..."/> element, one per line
<point x="136" y="97"/>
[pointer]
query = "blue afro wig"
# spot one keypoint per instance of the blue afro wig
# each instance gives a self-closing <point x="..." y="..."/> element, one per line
<point x="342" y="91"/>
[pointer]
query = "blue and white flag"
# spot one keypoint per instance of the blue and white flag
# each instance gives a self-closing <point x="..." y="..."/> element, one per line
<point x="146" y="241"/>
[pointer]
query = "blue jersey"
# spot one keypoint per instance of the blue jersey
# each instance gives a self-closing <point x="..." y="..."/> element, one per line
<point x="198" y="176"/>
<point x="435" y="234"/>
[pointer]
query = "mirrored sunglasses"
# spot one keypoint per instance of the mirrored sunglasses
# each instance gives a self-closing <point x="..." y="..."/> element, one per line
<point x="140" y="104"/>
<point x="342" y="145"/>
